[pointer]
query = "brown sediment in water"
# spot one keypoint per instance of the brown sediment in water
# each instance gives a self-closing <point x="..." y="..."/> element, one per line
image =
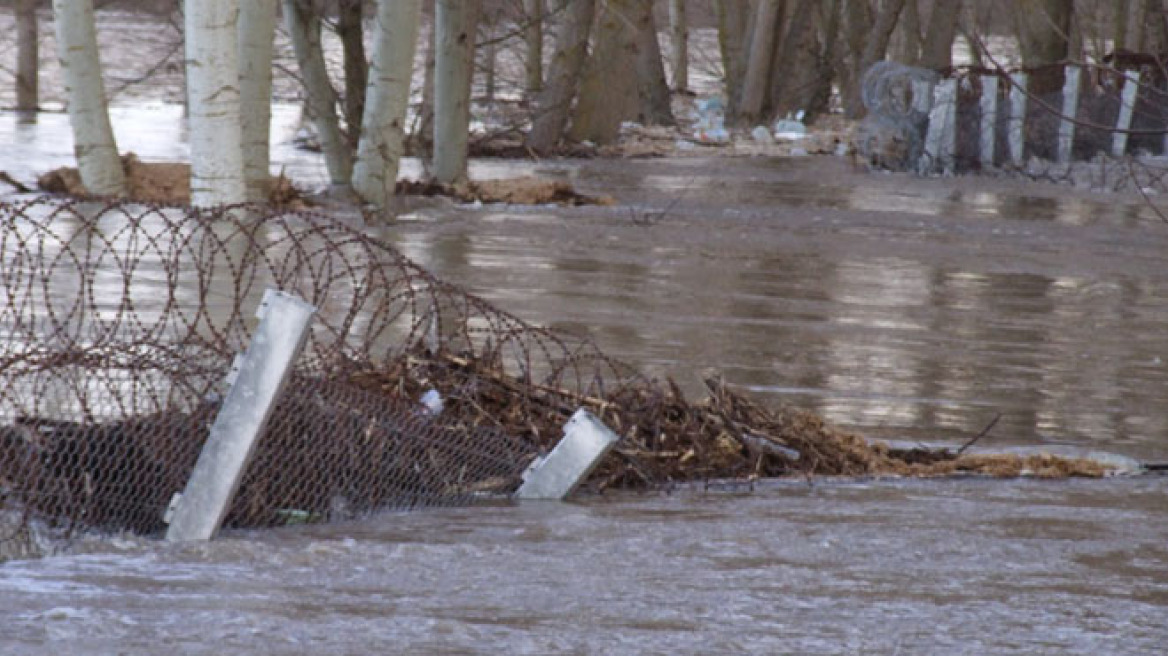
<point x="516" y="191"/>
<point x="166" y="183"/>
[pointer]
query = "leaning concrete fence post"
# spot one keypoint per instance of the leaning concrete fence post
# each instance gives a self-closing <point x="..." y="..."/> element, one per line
<point x="1066" y="135"/>
<point x="989" y="119"/>
<point x="1017" y="134"/>
<point x="941" y="137"/>
<point x="1131" y="87"/>
<point x="258" y="379"/>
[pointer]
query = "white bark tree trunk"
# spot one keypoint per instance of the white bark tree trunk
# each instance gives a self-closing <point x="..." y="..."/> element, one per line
<point x="455" y="22"/>
<point x="257" y="31"/>
<point x="386" y="99"/>
<point x="93" y="138"/>
<point x="758" y="65"/>
<point x="27" y="56"/>
<point x="304" y="28"/>
<point x="679" y="46"/>
<point x="216" y="138"/>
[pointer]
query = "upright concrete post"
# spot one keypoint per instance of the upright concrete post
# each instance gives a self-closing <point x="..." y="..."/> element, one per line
<point x="1017" y="133"/>
<point x="1131" y="87"/>
<point x="1066" y="135"/>
<point x="586" y="440"/>
<point x="941" y="136"/>
<point x="989" y="119"/>
<point x="258" y="379"/>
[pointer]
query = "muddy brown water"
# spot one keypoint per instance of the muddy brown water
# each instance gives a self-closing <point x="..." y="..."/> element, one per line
<point x="902" y="308"/>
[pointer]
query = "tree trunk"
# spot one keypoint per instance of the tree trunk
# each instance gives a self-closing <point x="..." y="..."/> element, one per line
<point x="93" y="138"/>
<point x="387" y="98"/>
<point x="826" y="64"/>
<point x="490" y="55"/>
<point x="27" y="57"/>
<point x="1044" y="30"/>
<point x="874" y="49"/>
<point x="454" y="22"/>
<point x="303" y="24"/>
<point x="908" y="34"/>
<point x="937" y="50"/>
<point x="257" y="30"/>
<point x="758" y="63"/>
<point x="352" y="35"/>
<point x="651" y="85"/>
<point x="424" y="136"/>
<point x="733" y="19"/>
<point x="609" y="90"/>
<point x="216" y="138"/>
<point x="533" y="37"/>
<point x="555" y="101"/>
<point x="679" y="45"/>
<point x="1119" y="25"/>
<point x="793" y="69"/>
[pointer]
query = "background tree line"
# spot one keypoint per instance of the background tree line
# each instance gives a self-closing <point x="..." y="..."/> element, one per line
<point x="587" y="66"/>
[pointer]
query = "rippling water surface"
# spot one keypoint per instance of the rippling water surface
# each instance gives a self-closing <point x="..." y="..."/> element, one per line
<point x="899" y="307"/>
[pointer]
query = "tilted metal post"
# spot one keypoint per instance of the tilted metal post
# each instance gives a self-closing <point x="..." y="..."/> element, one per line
<point x="258" y="380"/>
<point x="989" y="119"/>
<point x="1131" y="87"/>
<point x="586" y="441"/>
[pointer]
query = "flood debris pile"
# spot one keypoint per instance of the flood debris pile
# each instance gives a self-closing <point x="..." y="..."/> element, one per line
<point x="667" y="438"/>
<point x="410" y="391"/>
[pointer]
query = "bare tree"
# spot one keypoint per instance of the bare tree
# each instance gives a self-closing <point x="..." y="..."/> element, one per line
<point x="764" y="29"/>
<point x="679" y="42"/>
<point x="27" y="57"/>
<point x="351" y="31"/>
<point x="386" y="100"/>
<point x="554" y="103"/>
<point x="93" y="137"/>
<point x="257" y="31"/>
<point x="1044" y="30"/>
<point x="533" y="37"/>
<point x="733" y="21"/>
<point x="303" y="23"/>
<point x="216" y="138"/>
<point x="937" y="49"/>
<point x="455" y="22"/>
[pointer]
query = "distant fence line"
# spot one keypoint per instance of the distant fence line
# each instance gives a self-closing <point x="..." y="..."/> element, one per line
<point x="972" y="118"/>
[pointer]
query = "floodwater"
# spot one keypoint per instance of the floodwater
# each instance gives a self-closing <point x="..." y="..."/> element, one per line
<point x="902" y="308"/>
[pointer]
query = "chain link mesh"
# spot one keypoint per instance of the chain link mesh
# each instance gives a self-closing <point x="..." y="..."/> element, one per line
<point x="120" y="322"/>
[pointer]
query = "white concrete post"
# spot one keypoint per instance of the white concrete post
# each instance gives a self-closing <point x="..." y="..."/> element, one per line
<point x="1066" y="136"/>
<point x="586" y="440"/>
<point x="989" y="119"/>
<point x="258" y="379"/>
<point x="1131" y="86"/>
<point x="1017" y="133"/>
<point x="941" y="137"/>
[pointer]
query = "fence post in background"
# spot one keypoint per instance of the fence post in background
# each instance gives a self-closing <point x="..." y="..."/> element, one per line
<point x="256" y="385"/>
<point x="1066" y="134"/>
<point x="1017" y="133"/>
<point x="1131" y="87"/>
<point x="586" y="440"/>
<point x="989" y="119"/>
<point x="941" y="137"/>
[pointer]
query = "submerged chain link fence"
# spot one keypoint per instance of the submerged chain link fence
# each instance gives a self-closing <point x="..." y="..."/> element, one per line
<point x="120" y="322"/>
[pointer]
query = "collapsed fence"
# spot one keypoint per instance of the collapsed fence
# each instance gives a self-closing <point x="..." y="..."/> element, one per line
<point x="974" y="118"/>
<point x="120" y="323"/>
